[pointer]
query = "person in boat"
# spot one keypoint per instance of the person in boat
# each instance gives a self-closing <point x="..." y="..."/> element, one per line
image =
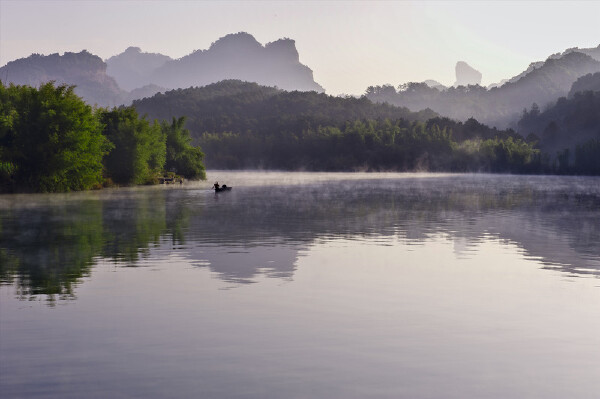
<point x="216" y="186"/>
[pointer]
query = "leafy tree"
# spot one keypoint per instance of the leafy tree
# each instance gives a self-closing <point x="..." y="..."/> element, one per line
<point x="50" y="140"/>
<point x="508" y="155"/>
<point x="182" y="157"/>
<point x="139" y="153"/>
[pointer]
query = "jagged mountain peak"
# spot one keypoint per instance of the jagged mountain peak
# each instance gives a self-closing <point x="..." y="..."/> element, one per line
<point x="84" y="70"/>
<point x="132" y="49"/>
<point x="239" y="56"/>
<point x="135" y="53"/>
<point x="466" y="75"/>
<point x="235" y="40"/>
<point x="284" y="48"/>
<point x="132" y="68"/>
<point x="233" y="56"/>
<point x="434" y="84"/>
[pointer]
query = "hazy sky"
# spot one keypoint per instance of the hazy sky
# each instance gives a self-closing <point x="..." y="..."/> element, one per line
<point x="349" y="45"/>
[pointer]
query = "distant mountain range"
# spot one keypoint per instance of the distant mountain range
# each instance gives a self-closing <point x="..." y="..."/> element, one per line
<point x="501" y="106"/>
<point x="134" y="74"/>
<point x="235" y="56"/>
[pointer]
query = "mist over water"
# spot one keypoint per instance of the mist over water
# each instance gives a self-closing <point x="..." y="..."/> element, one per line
<point x="305" y="284"/>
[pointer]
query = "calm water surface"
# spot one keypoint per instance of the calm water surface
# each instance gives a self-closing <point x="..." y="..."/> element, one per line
<point x="304" y="285"/>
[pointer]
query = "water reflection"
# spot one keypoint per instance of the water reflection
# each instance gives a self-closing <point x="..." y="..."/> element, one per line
<point x="46" y="249"/>
<point x="48" y="246"/>
<point x="241" y="265"/>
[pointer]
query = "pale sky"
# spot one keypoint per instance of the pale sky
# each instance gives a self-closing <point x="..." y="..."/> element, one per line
<point x="349" y="45"/>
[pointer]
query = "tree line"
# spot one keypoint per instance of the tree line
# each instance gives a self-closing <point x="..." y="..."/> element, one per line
<point x="439" y="144"/>
<point x="52" y="141"/>
<point x="371" y="145"/>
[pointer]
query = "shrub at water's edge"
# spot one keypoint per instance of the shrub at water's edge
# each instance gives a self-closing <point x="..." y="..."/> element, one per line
<point x="52" y="141"/>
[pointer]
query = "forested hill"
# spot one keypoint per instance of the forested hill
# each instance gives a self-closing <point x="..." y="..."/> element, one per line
<point x="243" y="107"/>
<point x="245" y="125"/>
<point x="569" y="130"/>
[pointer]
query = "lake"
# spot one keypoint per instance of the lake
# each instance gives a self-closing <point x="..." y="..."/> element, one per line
<point x="304" y="285"/>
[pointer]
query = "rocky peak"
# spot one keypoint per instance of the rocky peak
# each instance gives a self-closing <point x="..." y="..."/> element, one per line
<point x="235" y="42"/>
<point x="466" y="75"/>
<point x="239" y="56"/>
<point x="84" y="70"/>
<point x="132" y="67"/>
<point x="283" y="49"/>
<point x="132" y="50"/>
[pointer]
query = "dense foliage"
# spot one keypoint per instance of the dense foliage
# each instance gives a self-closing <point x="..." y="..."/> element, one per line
<point x="51" y="140"/>
<point x="182" y="157"/>
<point x="372" y="145"/>
<point x="140" y="148"/>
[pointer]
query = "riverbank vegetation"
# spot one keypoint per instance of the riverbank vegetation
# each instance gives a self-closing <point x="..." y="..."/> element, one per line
<point x="372" y="146"/>
<point x="52" y="141"/>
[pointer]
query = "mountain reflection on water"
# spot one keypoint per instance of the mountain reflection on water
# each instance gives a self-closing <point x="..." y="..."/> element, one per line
<point x="48" y="243"/>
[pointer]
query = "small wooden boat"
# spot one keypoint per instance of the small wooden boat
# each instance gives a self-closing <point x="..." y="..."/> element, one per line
<point x="222" y="188"/>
